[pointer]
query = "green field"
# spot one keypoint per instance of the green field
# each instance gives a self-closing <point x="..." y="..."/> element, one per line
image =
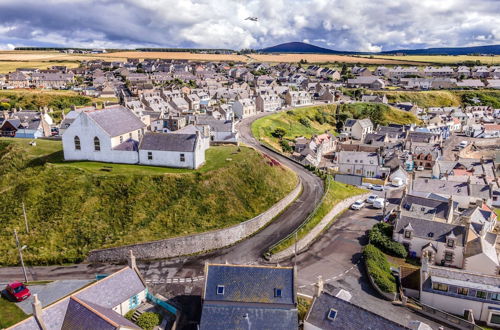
<point x="335" y="192"/>
<point x="445" y="98"/>
<point x="443" y="59"/>
<point x="324" y="118"/>
<point x="10" y="314"/>
<point x="75" y="207"/>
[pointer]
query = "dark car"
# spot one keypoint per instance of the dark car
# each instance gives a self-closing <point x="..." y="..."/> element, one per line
<point x="18" y="291"/>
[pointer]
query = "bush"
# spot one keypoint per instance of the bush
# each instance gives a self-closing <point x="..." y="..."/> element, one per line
<point x="129" y="314"/>
<point x="148" y="320"/>
<point x="381" y="236"/>
<point x="285" y="146"/>
<point x="306" y="122"/>
<point x="278" y="133"/>
<point x="379" y="268"/>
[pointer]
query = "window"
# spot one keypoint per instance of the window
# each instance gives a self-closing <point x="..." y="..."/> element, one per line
<point x="495" y="318"/>
<point x="450" y="243"/>
<point x="278" y="293"/>
<point x="97" y="144"/>
<point x="448" y="256"/>
<point x="130" y="135"/>
<point x="332" y="314"/>
<point x="407" y="233"/>
<point x="355" y="160"/>
<point x="150" y="155"/>
<point x="133" y="302"/>
<point x="495" y="296"/>
<point x="77" y="143"/>
<point x="220" y="289"/>
<point x="481" y="294"/>
<point x="440" y="287"/>
<point x="121" y="139"/>
<point x="182" y="157"/>
<point x="463" y="291"/>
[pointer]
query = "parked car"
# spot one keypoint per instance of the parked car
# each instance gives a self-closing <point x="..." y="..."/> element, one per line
<point x="371" y="199"/>
<point x="463" y="144"/>
<point x="420" y="168"/>
<point x="379" y="203"/>
<point x="358" y="205"/>
<point x="369" y="186"/>
<point x="378" y="187"/>
<point x="18" y="291"/>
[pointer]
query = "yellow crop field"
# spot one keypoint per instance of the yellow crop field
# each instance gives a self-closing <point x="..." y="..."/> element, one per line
<point x="10" y="66"/>
<point x="443" y="59"/>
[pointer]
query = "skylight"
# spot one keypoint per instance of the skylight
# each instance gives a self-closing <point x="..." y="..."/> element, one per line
<point x="332" y="314"/>
<point x="278" y="292"/>
<point x="220" y="289"/>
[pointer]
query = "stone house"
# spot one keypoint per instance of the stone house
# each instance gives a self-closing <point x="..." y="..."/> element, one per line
<point x="268" y="102"/>
<point x="297" y="98"/>
<point x="358" y="128"/>
<point x="244" y="108"/>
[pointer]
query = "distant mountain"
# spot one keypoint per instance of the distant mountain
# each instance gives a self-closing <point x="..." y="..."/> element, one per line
<point x="301" y="47"/>
<point x="492" y="49"/>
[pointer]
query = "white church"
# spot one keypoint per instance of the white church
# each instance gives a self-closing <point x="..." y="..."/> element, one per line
<point x="115" y="135"/>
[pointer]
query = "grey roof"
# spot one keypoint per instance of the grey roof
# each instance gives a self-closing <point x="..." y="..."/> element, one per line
<point x="431" y="230"/>
<point x="129" y="145"/>
<point x="444" y="187"/>
<point x="80" y="316"/>
<point x="458" y="277"/>
<point x="366" y="122"/>
<point x="426" y="207"/>
<point x="220" y="316"/>
<point x="113" y="291"/>
<point x="115" y="120"/>
<point x="215" y="124"/>
<point x="250" y="284"/>
<point x="349" y="122"/>
<point x="168" y="142"/>
<point x="349" y="316"/>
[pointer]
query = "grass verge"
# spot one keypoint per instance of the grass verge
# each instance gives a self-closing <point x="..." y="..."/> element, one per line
<point x="335" y="193"/>
<point x="10" y="314"/>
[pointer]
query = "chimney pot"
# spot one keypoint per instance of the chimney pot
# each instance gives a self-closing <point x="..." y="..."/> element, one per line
<point x="131" y="260"/>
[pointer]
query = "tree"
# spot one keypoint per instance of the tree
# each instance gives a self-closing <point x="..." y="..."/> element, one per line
<point x="278" y="133"/>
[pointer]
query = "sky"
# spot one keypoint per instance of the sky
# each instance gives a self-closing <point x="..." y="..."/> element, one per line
<point x="347" y="25"/>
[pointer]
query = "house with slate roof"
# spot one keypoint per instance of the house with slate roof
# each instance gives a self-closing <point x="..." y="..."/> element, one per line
<point x="357" y="128"/>
<point x="332" y="309"/>
<point x="243" y="296"/>
<point x="101" y="305"/>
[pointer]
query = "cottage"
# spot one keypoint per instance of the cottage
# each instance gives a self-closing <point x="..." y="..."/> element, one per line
<point x="358" y="128"/>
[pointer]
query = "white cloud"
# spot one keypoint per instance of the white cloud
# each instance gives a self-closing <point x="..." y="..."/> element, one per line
<point x="360" y="25"/>
<point x="7" y="46"/>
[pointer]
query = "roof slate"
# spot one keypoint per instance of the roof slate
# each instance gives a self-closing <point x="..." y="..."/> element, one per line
<point x="115" y="121"/>
<point x="168" y="142"/>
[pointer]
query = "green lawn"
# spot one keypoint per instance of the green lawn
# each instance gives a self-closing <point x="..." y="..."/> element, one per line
<point x="497" y="211"/>
<point x="10" y="314"/>
<point x="76" y="207"/>
<point x="335" y="193"/>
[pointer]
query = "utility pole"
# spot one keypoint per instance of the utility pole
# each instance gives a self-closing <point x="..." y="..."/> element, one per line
<point x="20" y="249"/>
<point x="25" y="219"/>
<point x="295" y="250"/>
<point x="385" y="203"/>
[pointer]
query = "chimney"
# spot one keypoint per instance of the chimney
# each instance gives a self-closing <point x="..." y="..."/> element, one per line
<point x="131" y="260"/>
<point x="37" y="311"/>
<point x="318" y="287"/>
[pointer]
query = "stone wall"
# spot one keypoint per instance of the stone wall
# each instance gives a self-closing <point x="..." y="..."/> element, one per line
<point x="198" y="243"/>
<point x="307" y="240"/>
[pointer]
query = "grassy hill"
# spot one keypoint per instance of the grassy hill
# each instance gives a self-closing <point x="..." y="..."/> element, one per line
<point x="319" y="119"/>
<point x="446" y="98"/>
<point x="78" y="206"/>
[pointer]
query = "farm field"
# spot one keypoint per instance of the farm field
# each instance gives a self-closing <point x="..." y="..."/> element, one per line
<point x="442" y="59"/>
<point x="10" y="66"/>
<point x="323" y="58"/>
<point x="75" y="207"/>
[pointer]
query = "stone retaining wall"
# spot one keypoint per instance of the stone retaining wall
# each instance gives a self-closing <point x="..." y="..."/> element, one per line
<point x="198" y="243"/>
<point x="307" y="240"/>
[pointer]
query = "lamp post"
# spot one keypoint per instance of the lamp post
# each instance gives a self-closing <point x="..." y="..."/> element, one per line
<point x="20" y="249"/>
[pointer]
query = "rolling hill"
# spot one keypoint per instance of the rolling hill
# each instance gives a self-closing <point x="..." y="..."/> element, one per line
<point x="299" y="47"/>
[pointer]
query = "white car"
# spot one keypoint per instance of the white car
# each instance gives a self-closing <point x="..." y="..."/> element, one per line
<point x="358" y="205"/>
<point x="379" y="203"/>
<point x="378" y="187"/>
<point x="420" y="168"/>
<point x="371" y="199"/>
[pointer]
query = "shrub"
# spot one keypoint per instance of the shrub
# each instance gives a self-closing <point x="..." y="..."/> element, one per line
<point x="379" y="268"/>
<point x="285" y="146"/>
<point x="129" y="314"/>
<point x="381" y="236"/>
<point x="278" y="133"/>
<point x="306" y="122"/>
<point x="148" y="320"/>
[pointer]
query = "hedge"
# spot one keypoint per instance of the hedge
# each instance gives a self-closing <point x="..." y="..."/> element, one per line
<point x="148" y="320"/>
<point x="379" y="268"/>
<point x="381" y="236"/>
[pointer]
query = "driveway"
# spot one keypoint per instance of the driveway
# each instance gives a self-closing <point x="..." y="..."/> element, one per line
<point x="49" y="293"/>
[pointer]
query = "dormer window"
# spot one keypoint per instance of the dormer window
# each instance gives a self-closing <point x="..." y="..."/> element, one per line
<point x="278" y="293"/>
<point x="407" y="233"/>
<point x="220" y="290"/>
<point x="450" y="243"/>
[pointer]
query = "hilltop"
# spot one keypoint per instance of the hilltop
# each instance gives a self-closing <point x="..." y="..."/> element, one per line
<point x="299" y="47"/>
<point x="79" y="206"/>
